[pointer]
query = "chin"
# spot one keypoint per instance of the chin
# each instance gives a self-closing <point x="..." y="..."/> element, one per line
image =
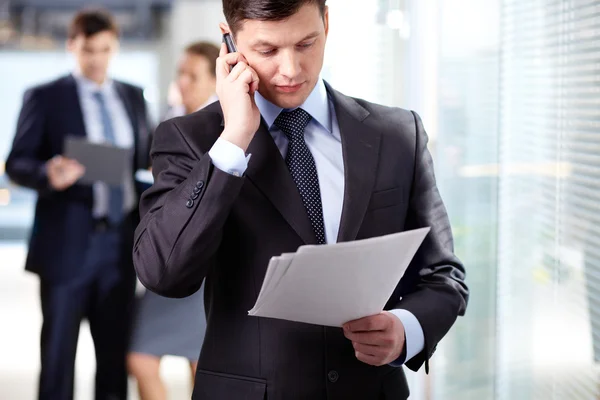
<point x="95" y="76"/>
<point x="290" y="101"/>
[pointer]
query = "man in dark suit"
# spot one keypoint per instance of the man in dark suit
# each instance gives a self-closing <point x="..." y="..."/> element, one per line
<point x="82" y="234"/>
<point x="285" y="160"/>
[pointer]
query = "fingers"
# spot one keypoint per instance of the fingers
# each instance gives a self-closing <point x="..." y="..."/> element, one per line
<point x="377" y="330"/>
<point x="56" y="161"/>
<point x="72" y="167"/>
<point x="226" y="60"/>
<point x="56" y="166"/>
<point x="369" y="359"/>
<point x="64" y="172"/>
<point x="237" y="71"/>
<point x="377" y="322"/>
<point x="376" y="348"/>
<point x="372" y="355"/>
<point x="255" y="81"/>
<point x="376" y="338"/>
<point x="250" y="77"/>
<point x="369" y="350"/>
<point x="243" y="72"/>
<point x="62" y="162"/>
<point x="78" y="170"/>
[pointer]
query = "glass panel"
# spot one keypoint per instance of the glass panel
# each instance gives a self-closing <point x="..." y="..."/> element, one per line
<point x="466" y="155"/>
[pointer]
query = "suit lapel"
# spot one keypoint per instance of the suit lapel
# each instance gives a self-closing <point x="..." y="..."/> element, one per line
<point x="73" y="103"/>
<point x="360" y="146"/>
<point x="121" y="91"/>
<point x="268" y="171"/>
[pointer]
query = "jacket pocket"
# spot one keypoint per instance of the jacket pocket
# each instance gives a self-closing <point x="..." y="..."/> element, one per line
<point x="211" y="385"/>
<point x="386" y="198"/>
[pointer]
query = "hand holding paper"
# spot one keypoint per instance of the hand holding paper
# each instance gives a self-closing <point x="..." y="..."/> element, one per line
<point x="378" y="339"/>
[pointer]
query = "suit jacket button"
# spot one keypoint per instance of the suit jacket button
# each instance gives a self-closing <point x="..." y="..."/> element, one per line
<point x="196" y="190"/>
<point x="195" y="196"/>
<point x="190" y="203"/>
<point x="200" y="184"/>
<point x="333" y="376"/>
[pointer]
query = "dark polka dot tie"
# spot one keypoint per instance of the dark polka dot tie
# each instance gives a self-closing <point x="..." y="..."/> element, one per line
<point x="302" y="166"/>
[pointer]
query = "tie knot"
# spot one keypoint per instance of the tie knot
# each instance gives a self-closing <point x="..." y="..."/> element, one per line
<point x="99" y="96"/>
<point x="292" y="123"/>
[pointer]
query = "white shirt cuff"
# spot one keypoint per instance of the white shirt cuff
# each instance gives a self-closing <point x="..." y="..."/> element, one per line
<point x="228" y="157"/>
<point x="415" y="339"/>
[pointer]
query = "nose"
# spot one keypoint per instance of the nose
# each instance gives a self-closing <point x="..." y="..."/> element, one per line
<point x="290" y="64"/>
<point x="183" y="82"/>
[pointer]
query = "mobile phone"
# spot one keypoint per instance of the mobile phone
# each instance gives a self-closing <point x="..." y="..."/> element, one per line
<point x="229" y="42"/>
<point x="230" y="46"/>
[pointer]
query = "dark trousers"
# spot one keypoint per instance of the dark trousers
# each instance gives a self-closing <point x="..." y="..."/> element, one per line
<point x="104" y="295"/>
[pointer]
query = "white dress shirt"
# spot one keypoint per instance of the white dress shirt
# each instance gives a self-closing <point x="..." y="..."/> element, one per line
<point x="95" y="133"/>
<point x="323" y="138"/>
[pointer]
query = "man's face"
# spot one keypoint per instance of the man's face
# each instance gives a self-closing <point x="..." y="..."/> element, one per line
<point x="287" y="55"/>
<point x="195" y="80"/>
<point x="93" y="54"/>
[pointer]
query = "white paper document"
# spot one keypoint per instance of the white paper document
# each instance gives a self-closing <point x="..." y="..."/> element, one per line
<point x="334" y="284"/>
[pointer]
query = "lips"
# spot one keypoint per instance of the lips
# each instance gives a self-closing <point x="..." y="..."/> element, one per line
<point x="289" y="88"/>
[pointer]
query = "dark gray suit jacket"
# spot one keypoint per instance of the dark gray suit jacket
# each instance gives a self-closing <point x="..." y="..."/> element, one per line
<point x="199" y="222"/>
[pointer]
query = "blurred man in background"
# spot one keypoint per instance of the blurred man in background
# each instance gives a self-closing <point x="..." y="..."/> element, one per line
<point x="81" y="239"/>
<point x="166" y="326"/>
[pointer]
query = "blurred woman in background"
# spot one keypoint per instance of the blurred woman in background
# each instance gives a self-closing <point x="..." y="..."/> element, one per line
<point x="166" y="326"/>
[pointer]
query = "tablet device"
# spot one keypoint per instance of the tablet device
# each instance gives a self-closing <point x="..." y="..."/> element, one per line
<point x="102" y="161"/>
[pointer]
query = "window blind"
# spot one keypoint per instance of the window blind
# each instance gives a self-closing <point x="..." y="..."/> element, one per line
<point x="549" y="218"/>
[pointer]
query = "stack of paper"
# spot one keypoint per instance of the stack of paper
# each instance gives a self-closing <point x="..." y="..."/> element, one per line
<point x="333" y="284"/>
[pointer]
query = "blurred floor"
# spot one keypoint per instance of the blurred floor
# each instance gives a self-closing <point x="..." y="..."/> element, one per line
<point x="19" y="339"/>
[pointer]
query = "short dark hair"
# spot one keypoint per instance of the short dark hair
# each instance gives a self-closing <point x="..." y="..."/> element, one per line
<point x="92" y="21"/>
<point x="206" y="50"/>
<point x="237" y="11"/>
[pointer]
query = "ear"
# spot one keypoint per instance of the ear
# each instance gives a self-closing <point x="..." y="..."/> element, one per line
<point x="70" y="45"/>
<point x="224" y="28"/>
<point x="326" y="20"/>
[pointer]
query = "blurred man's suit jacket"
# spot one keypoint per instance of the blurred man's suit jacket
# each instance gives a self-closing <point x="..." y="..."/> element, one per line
<point x="63" y="220"/>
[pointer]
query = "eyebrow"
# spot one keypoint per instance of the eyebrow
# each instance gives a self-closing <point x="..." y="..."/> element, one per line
<point x="266" y="43"/>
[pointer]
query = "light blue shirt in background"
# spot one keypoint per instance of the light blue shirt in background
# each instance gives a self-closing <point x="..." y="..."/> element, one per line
<point x="322" y="136"/>
<point x="92" y="118"/>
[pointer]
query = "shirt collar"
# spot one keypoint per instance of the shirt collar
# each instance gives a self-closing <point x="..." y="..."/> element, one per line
<point x="213" y="97"/>
<point x="317" y="105"/>
<point x="91" y="86"/>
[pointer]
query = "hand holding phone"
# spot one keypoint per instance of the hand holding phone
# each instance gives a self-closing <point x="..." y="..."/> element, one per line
<point x="236" y="84"/>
